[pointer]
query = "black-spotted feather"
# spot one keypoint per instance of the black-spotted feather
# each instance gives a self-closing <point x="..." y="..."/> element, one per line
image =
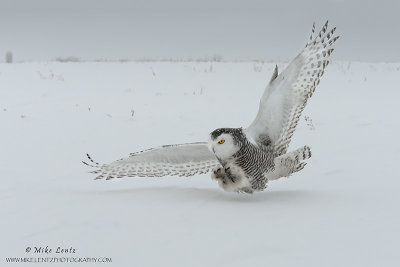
<point x="286" y="96"/>
<point x="174" y="160"/>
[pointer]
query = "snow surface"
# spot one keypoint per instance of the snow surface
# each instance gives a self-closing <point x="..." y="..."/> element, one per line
<point x="341" y="210"/>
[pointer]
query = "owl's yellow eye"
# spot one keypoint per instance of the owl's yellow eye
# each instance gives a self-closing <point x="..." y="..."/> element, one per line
<point x="221" y="141"/>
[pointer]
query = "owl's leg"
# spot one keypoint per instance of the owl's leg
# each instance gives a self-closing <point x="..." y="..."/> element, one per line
<point x="231" y="176"/>
<point x="230" y="180"/>
<point x="218" y="174"/>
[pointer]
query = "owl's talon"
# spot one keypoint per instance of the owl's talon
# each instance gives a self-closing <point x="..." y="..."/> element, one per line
<point x="218" y="173"/>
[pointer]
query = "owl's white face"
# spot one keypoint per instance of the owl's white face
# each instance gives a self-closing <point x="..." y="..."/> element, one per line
<point x="223" y="146"/>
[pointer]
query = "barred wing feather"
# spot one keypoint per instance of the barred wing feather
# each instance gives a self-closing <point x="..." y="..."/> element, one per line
<point x="175" y="160"/>
<point x="286" y="95"/>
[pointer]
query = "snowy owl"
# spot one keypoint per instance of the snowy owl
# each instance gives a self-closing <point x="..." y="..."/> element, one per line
<point x="243" y="159"/>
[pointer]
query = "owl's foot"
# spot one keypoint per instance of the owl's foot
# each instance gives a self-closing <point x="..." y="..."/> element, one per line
<point x="229" y="181"/>
<point x="218" y="174"/>
<point x="230" y="175"/>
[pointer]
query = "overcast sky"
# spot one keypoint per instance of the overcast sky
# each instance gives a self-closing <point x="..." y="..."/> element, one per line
<point x="270" y="30"/>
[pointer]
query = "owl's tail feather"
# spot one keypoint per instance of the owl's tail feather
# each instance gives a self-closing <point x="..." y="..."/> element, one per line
<point x="289" y="163"/>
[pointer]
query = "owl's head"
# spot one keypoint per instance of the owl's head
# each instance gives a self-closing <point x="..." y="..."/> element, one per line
<point x="225" y="142"/>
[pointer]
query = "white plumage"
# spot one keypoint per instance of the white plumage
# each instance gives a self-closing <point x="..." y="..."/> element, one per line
<point x="244" y="160"/>
<point x="180" y="160"/>
<point x="286" y="96"/>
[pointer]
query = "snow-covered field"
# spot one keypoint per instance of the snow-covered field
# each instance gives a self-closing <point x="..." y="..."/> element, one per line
<point x="341" y="210"/>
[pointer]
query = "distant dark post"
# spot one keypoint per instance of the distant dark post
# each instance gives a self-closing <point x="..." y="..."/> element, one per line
<point x="9" y="57"/>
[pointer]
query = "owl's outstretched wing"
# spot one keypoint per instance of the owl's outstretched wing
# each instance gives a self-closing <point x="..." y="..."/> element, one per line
<point x="180" y="160"/>
<point x="286" y="95"/>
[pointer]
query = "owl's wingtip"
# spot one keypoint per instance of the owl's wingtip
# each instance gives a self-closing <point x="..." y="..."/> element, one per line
<point x="96" y="164"/>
